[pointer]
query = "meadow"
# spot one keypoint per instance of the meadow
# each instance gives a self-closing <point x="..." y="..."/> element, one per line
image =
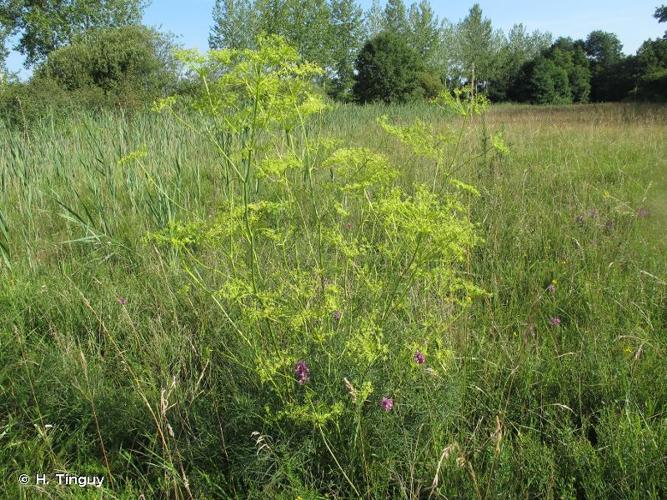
<point x="347" y="321"/>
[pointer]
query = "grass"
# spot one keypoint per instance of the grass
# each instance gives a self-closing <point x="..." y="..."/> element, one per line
<point x="121" y="357"/>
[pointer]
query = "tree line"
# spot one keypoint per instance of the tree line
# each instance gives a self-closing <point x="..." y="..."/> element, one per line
<point x="400" y="52"/>
<point x="98" y="53"/>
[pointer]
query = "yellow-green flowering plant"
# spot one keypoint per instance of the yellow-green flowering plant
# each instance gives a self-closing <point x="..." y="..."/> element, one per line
<point x="326" y="265"/>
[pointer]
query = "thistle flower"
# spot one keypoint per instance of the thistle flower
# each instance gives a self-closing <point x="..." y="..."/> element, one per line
<point x="302" y="372"/>
<point x="387" y="404"/>
<point x="420" y="359"/>
<point x="555" y="321"/>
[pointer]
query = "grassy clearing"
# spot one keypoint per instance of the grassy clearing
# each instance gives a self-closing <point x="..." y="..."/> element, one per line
<point x="106" y="336"/>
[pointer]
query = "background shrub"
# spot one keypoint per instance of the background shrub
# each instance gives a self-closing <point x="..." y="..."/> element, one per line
<point x="111" y="68"/>
<point x="129" y="65"/>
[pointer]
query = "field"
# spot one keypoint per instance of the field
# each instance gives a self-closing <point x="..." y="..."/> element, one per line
<point x="337" y="340"/>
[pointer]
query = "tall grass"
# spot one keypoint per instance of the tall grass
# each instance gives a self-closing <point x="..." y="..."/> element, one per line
<point x="114" y="361"/>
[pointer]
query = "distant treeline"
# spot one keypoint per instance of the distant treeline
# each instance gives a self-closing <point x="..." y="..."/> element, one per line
<point x="97" y="54"/>
<point x="517" y="66"/>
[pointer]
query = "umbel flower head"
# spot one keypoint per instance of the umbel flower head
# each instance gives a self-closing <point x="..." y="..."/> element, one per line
<point x="387" y="404"/>
<point x="302" y="372"/>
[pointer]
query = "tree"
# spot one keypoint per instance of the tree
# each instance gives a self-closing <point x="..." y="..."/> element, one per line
<point x="550" y="84"/>
<point x="4" y="52"/>
<point x="387" y="70"/>
<point x="559" y="75"/>
<point x="605" y="51"/>
<point x="652" y="56"/>
<point x="477" y="47"/>
<point x="603" y="48"/>
<point x="374" y="20"/>
<point x="9" y="10"/>
<point x="346" y="33"/>
<point x="650" y="70"/>
<point x="45" y="26"/>
<point x="569" y="56"/>
<point x="579" y="74"/>
<point x="234" y="25"/>
<point x="395" y="17"/>
<point x="424" y="31"/>
<point x="446" y="60"/>
<point x="517" y="49"/>
<point x="325" y="32"/>
<point x="304" y="24"/>
<point x="661" y="16"/>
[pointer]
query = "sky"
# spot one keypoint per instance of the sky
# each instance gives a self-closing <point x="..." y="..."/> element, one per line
<point x="632" y="21"/>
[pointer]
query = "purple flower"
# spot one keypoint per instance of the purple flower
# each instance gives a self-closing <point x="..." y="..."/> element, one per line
<point x="387" y="404"/>
<point x="551" y="288"/>
<point x="336" y="315"/>
<point x="420" y="359"/>
<point x="122" y="301"/>
<point x="555" y="321"/>
<point x="302" y="372"/>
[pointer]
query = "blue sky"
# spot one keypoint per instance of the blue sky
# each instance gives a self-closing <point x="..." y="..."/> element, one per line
<point x="632" y="21"/>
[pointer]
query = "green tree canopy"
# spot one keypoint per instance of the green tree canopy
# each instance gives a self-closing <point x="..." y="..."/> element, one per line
<point x="560" y="75"/>
<point x="605" y="52"/>
<point x="326" y="32"/>
<point x="603" y="48"/>
<point x="346" y="31"/>
<point x="550" y="83"/>
<point x="651" y="70"/>
<point x="374" y="20"/>
<point x="477" y="46"/>
<point x="424" y="29"/>
<point x="661" y="15"/>
<point x="387" y="70"/>
<point x="234" y="25"/>
<point x="517" y="49"/>
<point x="395" y="17"/>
